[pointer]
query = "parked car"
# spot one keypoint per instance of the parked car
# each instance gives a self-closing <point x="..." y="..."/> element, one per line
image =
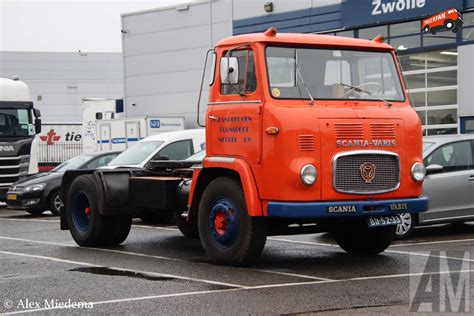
<point x="449" y="183"/>
<point x="177" y="145"/>
<point x="40" y="192"/>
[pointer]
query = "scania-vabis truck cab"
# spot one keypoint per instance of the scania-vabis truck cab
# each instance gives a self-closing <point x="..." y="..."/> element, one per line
<point x="304" y="133"/>
<point x="19" y="123"/>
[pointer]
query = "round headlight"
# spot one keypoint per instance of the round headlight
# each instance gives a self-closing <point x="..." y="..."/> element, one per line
<point x="308" y="174"/>
<point x="418" y="171"/>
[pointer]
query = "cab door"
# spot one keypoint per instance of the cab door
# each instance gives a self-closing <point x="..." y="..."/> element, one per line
<point x="234" y="117"/>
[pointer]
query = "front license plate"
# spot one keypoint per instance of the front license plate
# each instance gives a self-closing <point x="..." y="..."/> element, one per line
<point x="11" y="197"/>
<point x="384" y="221"/>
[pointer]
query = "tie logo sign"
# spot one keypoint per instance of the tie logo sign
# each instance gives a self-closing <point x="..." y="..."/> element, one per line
<point x="396" y="6"/>
<point x="50" y="137"/>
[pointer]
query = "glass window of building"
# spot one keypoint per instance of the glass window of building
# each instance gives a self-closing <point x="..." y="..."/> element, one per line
<point x="441" y="38"/>
<point x="371" y="32"/>
<point x="401" y="29"/>
<point x="405" y="42"/>
<point x="345" y="33"/>
<point x="468" y="19"/>
<point x="432" y="81"/>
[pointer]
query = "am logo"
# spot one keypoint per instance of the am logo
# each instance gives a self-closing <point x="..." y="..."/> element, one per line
<point x="447" y="20"/>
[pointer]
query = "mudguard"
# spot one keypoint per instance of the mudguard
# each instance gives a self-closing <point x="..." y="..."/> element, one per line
<point x="242" y="168"/>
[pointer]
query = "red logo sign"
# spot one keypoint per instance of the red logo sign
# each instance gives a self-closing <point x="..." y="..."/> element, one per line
<point x="447" y="20"/>
<point x="50" y="137"/>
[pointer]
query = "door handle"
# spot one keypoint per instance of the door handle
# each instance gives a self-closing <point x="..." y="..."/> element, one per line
<point x="212" y="117"/>
<point x="471" y="178"/>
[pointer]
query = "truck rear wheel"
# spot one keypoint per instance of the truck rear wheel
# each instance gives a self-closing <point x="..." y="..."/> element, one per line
<point x="88" y="227"/>
<point x="228" y="234"/>
<point x="187" y="227"/>
<point x="359" y="238"/>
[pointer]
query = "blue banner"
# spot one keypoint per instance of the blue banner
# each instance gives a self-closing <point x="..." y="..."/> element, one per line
<point x="365" y="12"/>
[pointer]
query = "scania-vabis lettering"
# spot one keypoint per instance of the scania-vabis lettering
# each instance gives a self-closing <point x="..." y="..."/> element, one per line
<point x="304" y="133"/>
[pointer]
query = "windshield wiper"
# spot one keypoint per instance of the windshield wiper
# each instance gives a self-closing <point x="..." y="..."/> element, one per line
<point x="357" y="89"/>
<point x="297" y="66"/>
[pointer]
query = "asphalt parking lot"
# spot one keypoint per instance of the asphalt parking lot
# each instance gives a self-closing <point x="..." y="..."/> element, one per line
<point x="159" y="271"/>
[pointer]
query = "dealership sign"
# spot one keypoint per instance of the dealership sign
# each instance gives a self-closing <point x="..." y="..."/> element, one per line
<point x="364" y="12"/>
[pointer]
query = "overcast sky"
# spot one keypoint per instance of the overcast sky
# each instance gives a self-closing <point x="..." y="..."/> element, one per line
<point x="67" y="25"/>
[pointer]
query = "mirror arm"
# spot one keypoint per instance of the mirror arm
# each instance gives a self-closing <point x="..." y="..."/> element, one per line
<point x="200" y="89"/>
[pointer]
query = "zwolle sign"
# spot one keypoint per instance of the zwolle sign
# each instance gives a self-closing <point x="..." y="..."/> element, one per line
<point x="365" y="12"/>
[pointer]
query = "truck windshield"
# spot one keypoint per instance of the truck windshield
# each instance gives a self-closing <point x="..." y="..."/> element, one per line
<point x="136" y="154"/>
<point x="302" y="73"/>
<point x="15" y="122"/>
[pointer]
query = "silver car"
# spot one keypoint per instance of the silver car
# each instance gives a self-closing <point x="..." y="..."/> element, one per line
<point x="449" y="183"/>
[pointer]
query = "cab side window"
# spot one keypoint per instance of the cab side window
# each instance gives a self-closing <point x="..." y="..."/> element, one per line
<point x="177" y="151"/>
<point x="453" y="157"/>
<point x="247" y="78"/>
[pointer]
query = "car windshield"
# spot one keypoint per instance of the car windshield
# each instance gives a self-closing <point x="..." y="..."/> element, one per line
<point x="307" y="73"/>
<point x="427" y="145"/>
<point x="73" y="163"/>
<point x="199" y="156"/>
<point x="15" y="122"/>
<point x="136" y="154"/>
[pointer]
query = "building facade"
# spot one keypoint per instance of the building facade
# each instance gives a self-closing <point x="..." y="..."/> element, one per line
<point x="59" y="81"/>
<point x="439" y="69"/>
<point x="164" y="50"/>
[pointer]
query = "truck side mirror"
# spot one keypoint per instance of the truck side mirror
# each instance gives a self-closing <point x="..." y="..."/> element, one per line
<point x="37" y="126"/>
<point x="98" y="115"/>
<point x="431" y="169"/>
<point x="36" y="113"/>
<point x="229" y="70"/>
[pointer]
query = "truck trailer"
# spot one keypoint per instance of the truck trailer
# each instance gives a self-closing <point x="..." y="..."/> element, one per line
<point x="304" y="133"/>
<point x="19" y="123"/>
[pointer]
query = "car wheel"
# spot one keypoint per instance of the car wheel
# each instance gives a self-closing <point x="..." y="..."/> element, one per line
<point x="55" y="203"/>
<point x="35" y="212"/>
<point x="449" y="24"/>
<point x="228" y="234"/>
<point x="426" y="29"/>
<point x="406" y="227"/>
<point x="360" y="239"/>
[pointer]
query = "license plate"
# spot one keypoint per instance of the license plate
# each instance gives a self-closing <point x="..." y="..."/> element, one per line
<point x="11" y="197"/>
<point x="384" y="221"/>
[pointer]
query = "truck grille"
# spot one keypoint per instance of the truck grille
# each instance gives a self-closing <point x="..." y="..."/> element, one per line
<point x="366" y="172"/>
<point x="13" y="169"/>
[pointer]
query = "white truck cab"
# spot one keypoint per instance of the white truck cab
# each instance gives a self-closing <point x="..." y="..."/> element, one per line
<point x="19" y="123"/>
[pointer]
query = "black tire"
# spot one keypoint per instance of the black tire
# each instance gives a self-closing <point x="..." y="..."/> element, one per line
<point x="240" y="239"/>
<point x="449" y="24"/>
<point x="53" y="203"/>
<point x="187" y="227"/>
<point x="405" y="229"/>
<point x="36" y="212"/>
<point x="359" y="239"/>
<point x="88" y="227"/>
<point x="433" y="31"/>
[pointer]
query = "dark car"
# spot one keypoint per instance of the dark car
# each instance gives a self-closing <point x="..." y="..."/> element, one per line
<point x="40" y="192"/>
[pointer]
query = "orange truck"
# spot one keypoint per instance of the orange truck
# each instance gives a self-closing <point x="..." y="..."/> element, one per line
<point x="450" y="19"/>
<point x="304" y="133"/>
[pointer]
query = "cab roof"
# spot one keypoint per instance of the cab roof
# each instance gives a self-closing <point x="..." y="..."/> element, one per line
<point x="304" y="39"/>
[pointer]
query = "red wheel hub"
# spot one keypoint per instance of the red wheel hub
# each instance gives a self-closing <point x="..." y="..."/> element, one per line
<point x="220" y="223"/>
<point x="87" y="210"/>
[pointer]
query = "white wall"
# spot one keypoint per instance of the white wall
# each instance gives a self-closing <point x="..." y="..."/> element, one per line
<point x="63" y="79"/>
<point x="466" y="80"/>
<point x="164" y="52"/>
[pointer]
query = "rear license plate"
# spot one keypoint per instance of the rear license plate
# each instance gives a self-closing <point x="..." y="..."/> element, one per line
<point x="384" y="221"/>
<point x="11" y="197"/>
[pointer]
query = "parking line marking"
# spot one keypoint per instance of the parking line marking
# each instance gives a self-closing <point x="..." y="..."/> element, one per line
<point x="303" y="242"/>
<point x="302" y="276"/>
<point x="432" y="242"/>
<point x="124" y="269"/>
<point x="30" y="220"/>
<point x="250" y="288"/>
